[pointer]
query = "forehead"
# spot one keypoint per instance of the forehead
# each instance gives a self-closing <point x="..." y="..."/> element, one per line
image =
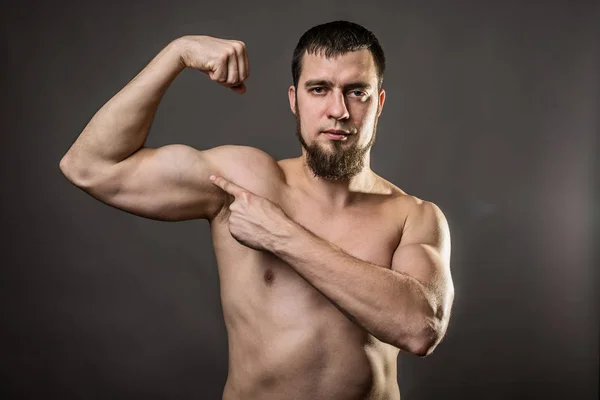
<point x="354" y="65"/>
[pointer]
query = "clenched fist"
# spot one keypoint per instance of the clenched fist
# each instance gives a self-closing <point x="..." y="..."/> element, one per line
<point x="224" y="61"/>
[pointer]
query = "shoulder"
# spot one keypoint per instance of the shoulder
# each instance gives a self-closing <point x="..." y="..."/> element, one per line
<point x="420" y="220"/>
<point x="411" y="203"/>
<point x="426" y="224"/>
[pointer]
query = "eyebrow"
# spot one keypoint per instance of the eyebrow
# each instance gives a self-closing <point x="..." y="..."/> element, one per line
<point x="349" y="86"/>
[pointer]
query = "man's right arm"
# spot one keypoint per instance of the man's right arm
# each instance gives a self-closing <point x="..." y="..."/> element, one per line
<point x="109" y="161"/>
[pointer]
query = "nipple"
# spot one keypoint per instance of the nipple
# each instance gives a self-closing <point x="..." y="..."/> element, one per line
<point x="269" y="276"/>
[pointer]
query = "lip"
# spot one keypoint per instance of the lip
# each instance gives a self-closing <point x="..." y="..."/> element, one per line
<point x="334" y="136"/>
<point x="336" y="132"/>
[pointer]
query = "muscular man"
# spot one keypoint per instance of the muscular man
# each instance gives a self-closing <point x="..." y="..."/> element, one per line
<point x="327" y="270"/>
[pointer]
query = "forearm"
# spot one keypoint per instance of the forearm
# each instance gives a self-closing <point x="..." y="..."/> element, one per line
<point x="121" y="126"/>
<point x="391" y="306"/>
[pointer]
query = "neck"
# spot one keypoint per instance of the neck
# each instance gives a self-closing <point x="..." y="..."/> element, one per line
<point x="339" y="193"/>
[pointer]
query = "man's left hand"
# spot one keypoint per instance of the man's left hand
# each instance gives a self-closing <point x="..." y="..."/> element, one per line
<point x="255" y="221"/>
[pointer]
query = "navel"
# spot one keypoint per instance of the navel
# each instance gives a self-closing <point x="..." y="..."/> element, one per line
<point x="269" y="276"/>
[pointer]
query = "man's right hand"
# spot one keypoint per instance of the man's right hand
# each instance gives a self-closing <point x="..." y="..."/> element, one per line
<point x="109" y="159"/>
<point x="224" y="61"/>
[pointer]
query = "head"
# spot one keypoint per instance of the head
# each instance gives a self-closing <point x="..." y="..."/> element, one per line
<point x="338" y="73"/>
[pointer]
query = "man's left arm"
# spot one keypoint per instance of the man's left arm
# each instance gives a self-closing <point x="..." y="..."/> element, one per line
<point x="407" y="305"/>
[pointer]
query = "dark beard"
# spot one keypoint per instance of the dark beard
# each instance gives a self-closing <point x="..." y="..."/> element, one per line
<point x="341" y="164"/>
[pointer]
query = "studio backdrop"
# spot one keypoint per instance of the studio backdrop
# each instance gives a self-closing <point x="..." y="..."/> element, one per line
<point x="491" y="113"/>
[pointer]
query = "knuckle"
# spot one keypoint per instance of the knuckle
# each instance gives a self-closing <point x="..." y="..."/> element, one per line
<point x="230" y="51"/>
<point x="223" y="57"/>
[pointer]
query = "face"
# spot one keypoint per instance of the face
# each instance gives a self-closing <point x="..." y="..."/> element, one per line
<point x="337" y="94"/>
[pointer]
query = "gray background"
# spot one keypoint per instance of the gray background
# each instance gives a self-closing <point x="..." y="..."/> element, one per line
<point x="491" y="113"/>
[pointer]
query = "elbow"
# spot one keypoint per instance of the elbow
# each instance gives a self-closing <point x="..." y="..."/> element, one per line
<point x="70" y="172"/>
<point x="66" y="168"/>
<point x="425" y="339"/>
<point x="424" y="344"/>
<point x="429" y="329"/>
<point x="76" y="174"/>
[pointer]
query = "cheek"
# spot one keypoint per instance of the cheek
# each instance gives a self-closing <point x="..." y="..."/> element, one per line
<point x="367" y="124"/>
<point x="365" y="115"/>
<point x="309" y="119"/>
<point x="371" y="112"/>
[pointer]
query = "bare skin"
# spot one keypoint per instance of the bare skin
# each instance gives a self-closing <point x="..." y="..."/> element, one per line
<point x="322" y="282"/>
<point x="286" y="339"/>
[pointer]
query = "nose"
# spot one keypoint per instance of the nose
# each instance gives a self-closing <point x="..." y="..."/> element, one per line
<point x="337" y="107"/>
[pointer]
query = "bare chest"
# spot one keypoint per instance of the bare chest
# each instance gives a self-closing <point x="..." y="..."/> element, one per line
<point x="369" y="231"/>
<point x="259" y="286"/>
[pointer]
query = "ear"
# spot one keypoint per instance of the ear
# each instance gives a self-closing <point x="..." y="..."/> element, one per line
<point x="381" y="101"/>
<point x="292" y="98"/>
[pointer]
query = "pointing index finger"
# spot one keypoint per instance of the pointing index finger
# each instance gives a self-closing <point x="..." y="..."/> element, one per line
<point x="228" y="186"/>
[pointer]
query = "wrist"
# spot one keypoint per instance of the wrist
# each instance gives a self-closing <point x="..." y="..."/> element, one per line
<point x="283" y="238"/>
<point x="177" y="50"/>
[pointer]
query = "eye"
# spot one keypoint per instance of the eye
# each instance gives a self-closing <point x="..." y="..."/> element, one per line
<point x="358" y="93"/>
<point x="317" y="90"/>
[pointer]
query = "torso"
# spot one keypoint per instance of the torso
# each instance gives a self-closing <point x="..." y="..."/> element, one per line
<point x="286" y="340"/>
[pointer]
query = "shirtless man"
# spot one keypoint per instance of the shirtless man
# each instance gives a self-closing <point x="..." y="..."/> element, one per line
<point x="326" y="269"/>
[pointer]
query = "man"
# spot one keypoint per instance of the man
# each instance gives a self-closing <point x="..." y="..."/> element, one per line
<point x="326" y="269"/>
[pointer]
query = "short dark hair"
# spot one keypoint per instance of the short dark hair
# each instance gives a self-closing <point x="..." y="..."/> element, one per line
<point x="334" y="39"/>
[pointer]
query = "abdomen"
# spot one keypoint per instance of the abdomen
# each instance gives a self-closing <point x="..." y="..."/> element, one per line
<point x="287" y="340"/>
<point x="297" y="345"/>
